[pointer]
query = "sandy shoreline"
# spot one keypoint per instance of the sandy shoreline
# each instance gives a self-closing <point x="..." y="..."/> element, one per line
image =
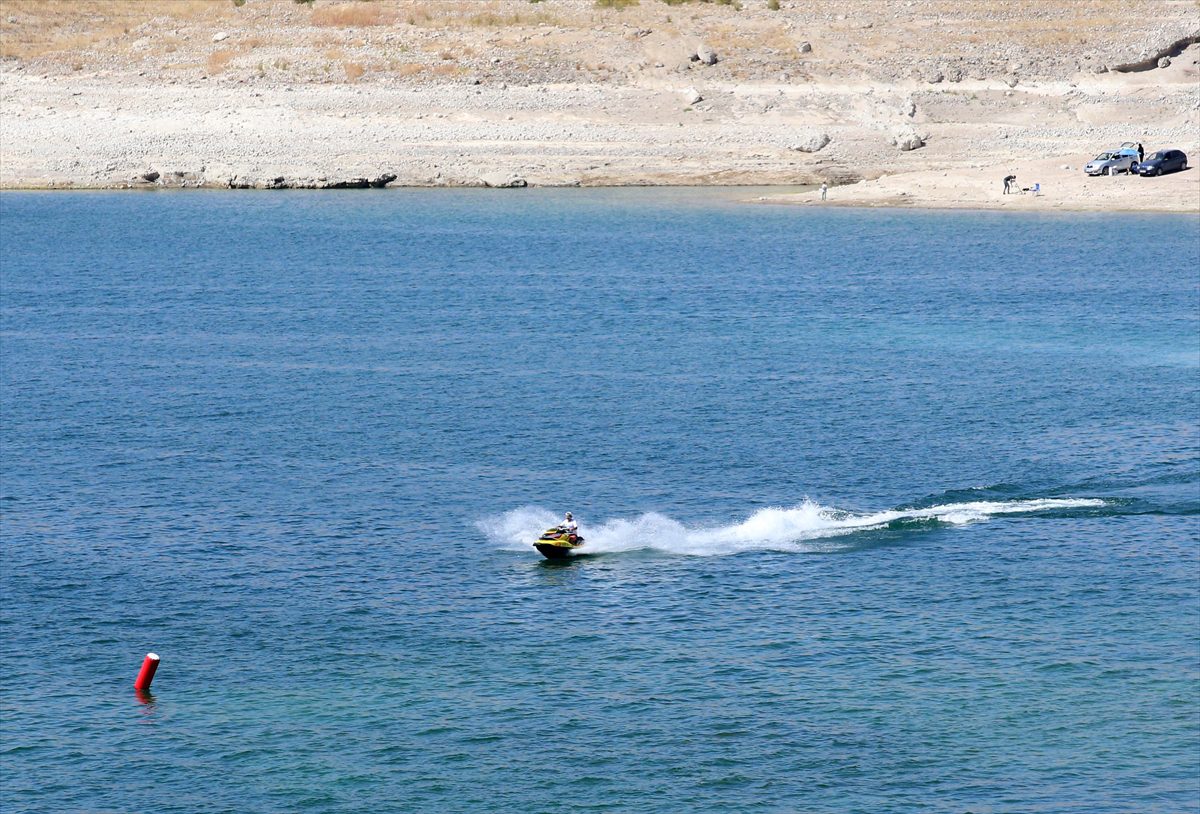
<point x="1063" y="187"/>
<point x="576" y="96"/>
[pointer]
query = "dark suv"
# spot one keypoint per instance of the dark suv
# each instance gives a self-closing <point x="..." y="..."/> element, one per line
<point x="1163" y="161"/>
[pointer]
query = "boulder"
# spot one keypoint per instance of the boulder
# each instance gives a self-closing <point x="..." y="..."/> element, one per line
<point x="381" y="181"/>
<point x="692" y="96"/>
<point x="150" y="175"/>
<point x="952" y="73"/>
<point x="706" y="54"/>
<point x="220" y="35"/>
<point x="804" y="47"/>
<point x="907" y="139"/>
<point x="812" y="143"/>
<point x="502" y="180"/>
<point x="932" y="75"/>
<point x="1165" y="62"/>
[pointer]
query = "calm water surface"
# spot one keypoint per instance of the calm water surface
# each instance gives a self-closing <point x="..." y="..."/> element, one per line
<point x="888" y="511"/>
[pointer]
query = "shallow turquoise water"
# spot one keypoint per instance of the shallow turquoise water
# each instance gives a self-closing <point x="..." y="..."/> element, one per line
<point x="887" y="511"/>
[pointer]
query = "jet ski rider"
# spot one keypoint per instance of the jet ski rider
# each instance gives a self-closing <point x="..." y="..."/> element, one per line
<point x="569" y="525"/>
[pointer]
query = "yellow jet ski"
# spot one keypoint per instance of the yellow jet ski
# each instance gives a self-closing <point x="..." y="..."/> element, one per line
<point x="555" y="544"/>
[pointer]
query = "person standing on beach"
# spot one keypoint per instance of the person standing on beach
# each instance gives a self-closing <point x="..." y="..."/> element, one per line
<point x="824" y="190"/>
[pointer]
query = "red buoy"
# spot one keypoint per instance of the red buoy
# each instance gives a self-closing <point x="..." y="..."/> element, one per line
<point x="149" y="666"/>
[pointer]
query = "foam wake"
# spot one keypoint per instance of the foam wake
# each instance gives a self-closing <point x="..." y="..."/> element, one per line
<point x="807" y="527"/>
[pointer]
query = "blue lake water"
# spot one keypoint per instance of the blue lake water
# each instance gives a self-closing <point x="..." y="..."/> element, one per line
<point x="887" y="511"/>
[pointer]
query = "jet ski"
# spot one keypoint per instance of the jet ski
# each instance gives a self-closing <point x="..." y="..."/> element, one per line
<point x="555" y="544"/>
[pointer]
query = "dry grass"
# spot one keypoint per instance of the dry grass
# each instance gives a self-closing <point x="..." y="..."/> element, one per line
<point x="353" y="71"/>
<point x="219" y="60"/>
<point x="353" y="15"/>
<point x="46" y="28"/>
<point x="116" y="34"/>
<point x="489" y="19"/>
<point x="457" y="14"/>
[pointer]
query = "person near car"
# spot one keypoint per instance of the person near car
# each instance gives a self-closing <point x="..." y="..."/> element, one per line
<point x="1141" y="153"/>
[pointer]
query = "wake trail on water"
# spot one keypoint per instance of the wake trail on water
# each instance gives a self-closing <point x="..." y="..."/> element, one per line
<point x="809" y="527"/>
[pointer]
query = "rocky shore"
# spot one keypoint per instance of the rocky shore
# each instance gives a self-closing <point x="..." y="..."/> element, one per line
<point x="274" y="94"/>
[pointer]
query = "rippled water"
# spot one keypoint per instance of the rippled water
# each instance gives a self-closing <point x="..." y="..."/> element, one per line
<point x="886" y="511"/>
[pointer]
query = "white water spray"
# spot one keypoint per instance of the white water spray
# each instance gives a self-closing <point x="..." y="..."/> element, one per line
<point x="807" y="527"/>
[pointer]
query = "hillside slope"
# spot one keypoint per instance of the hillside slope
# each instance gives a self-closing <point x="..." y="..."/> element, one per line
<point x="99" y="93"/>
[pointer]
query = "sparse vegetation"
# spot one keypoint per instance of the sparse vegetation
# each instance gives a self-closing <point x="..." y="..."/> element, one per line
<point x="353" y="71"/>
<point x="351" y="16"/>
<point x="219" y="60"/>
<point x="116" y="35"/>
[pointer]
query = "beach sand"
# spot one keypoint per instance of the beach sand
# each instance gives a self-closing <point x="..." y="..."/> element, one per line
<point x="1063" y="186"/>
<point x="864" y="97"/>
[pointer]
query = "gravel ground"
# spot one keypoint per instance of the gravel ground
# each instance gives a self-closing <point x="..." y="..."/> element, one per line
<point x="505" y="92"/>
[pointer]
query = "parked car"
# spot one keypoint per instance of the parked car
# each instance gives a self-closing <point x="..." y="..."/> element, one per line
<point x="1111" y="163"/>
<point x="1163" y="161"/>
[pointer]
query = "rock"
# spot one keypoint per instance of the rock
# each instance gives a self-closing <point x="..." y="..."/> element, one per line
<point x="220" y="35"/>
<point x="502" y="180"/>
<point x="279" y="182"/>
<point x="381" y="181"/>
<point x="1165" y="62"/>
<point x="804" y="47"/>
<point x="352" y="183"/>
<point x="812" y="143"/>
<point x="1065" y="167"/>
<point x="932" y="75"/>
<point x="706" y="54"/>
<point x="692" y="96"/>
<point x="907" y="139"/>
<point x="1010" y="80"/>
<point x="150" y="175"/>
<point x="952" y="73"/>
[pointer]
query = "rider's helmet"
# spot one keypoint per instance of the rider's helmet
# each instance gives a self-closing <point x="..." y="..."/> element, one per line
<point x="568" y="515"/>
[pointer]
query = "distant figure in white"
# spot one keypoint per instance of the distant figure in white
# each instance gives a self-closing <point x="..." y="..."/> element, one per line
<point x="569" y="525"/>
<point x="824" y="190"/>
